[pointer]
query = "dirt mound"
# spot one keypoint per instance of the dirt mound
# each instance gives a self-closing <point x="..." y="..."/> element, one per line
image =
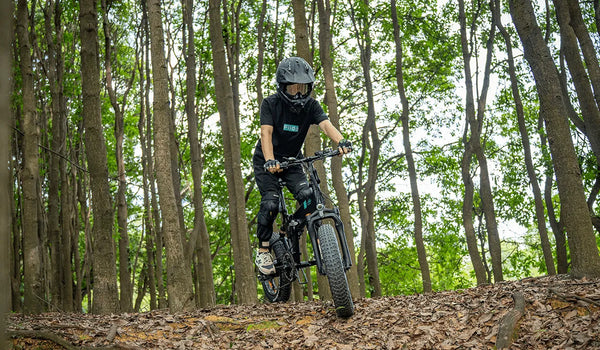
<point x="557" y="313"/>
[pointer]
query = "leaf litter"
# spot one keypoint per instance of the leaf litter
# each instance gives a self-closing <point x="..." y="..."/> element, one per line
<point x="560" y="313"/>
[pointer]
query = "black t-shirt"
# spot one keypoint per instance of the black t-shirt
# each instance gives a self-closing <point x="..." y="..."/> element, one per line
<point x="289" y="129"/>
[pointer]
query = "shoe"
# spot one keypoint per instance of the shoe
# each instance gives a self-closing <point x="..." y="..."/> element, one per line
<point x="264" y="262"/>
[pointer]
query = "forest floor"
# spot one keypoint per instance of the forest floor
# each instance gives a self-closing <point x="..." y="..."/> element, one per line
<point x="558" y="313"/>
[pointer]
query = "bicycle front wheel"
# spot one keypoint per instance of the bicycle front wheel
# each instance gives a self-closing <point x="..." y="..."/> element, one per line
<point x="330" y="251"/>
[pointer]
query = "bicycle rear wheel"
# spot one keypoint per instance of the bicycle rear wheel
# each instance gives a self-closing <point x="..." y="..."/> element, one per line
<point x="278" y="287"/>
<point x="340" y="292"/>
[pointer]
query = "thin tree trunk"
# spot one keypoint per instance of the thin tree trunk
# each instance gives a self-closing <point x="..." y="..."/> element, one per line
<point x="5" y="184"/>
<point x="574" y="212"/>
<point x="106" y="298"/>
<point x="261" y="53"/>
<point x="179" y="275"/>
<point x="326" y="55"/>
<point x="119" y="130"/>
<point x="313" y="138"/>
<point x="557" y="227"/>
<point x="16" y="236"/>
<point x="474" y="124"/>
<point x="535" y="186"/>
<point x="245" y="281"/>
<point x="412" y="172"/>
<point x="587" y="49"/>
<point x="200" y="241"/>
<point x="371" y="143"/>
<point x="54" y="165"/>
<point x="68" y="180"/>
<point x="34" y="297"/>
<point x="569" y="19"/>
<point x="153" y="209"/>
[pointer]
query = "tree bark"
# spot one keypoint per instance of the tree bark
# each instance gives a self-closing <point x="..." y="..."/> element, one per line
<point x="371" y="145"/>
<point x="125" y="282"/>
<point x="313" y="138"/>
<point x="535" y="186"/>
<point x="585" y="82"/>
<point x="6" y="7"/>
<point x="589" y="53"/>
<point x="106" y="298"/>
<point x="507" y="325"/>
<point x="574" y="212"/>
<point x="201" y="241"/>
<point x="245" y="281"/>
<point x="155" y="219"/>
<point x="474" y="123"/>
<point x="179" y="275"/>
<point x="34" y="290"/>
<point x="467" y="209"/>
<point x="412" y="172"/>
<point x="261" y="53"/>
<point x="326" y="55"/>
<point x="54" y="171"/>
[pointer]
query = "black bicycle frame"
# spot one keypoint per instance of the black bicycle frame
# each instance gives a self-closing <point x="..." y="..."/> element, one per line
<point x="293" y="226"/>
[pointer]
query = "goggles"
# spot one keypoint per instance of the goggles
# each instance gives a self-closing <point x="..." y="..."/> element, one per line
<point x="297" y="90"/>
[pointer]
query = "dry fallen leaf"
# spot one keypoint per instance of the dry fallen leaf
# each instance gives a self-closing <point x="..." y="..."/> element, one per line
<point x="466" y="319"/>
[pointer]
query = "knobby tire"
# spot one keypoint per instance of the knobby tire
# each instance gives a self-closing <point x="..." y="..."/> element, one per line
<point x="277" y="288"/>
<point x="340" y="292"/>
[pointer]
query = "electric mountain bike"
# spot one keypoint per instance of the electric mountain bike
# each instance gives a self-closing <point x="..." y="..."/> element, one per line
<point x="330" y="248"/>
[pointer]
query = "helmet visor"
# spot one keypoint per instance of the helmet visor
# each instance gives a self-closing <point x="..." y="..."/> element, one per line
<point x="297" y="90"/>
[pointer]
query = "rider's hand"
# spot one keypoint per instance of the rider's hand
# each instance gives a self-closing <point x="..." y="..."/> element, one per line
<point x="272" y="166"/>
<point x="344" y="146"/>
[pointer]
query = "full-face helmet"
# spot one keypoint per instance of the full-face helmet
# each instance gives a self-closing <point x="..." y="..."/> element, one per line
<point x="295" y="79"/>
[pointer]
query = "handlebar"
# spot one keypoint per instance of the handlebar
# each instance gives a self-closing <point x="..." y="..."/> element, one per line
<point x="319" y="155"/>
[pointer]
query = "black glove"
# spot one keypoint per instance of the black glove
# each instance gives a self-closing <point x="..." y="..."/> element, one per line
<point x="271" y="163"/>
<point x="345" y="144"/>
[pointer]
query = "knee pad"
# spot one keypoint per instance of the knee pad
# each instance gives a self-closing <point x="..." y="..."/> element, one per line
<point x="306" y="198"/>
<point x="269" y="208"/>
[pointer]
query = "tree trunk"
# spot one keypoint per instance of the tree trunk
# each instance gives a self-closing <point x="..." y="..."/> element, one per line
<point x="68" y="180"/>
<point x="261" y="53"/>
<point x="245" y="281"/>
<point x="326" y="55"/>
<point x="157" y="230"/>
<point x="535" y="186"/>
<point x="588" y="51"/>
<point x="574" y="212"/>
<point x="570" y="23"/>
<point x="412" y="172"/>
<point x="370" y="143"/>
<point x="474" y="124"/>
<point x="54" y="166"/>
<point x="201" y="241"/>
<point x="106" y="298"/>
<point x="32" y="246"/>
<point x="5" y="212"/>
<point x="119" y="130"/>
<point x="179" y="275"/>
<point x="313" y="138"/>
<point x="16" y="237"/>
<point x="148" y="219"/>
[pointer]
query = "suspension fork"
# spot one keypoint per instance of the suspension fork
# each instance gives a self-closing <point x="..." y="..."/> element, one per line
<point x="314" y="222"/>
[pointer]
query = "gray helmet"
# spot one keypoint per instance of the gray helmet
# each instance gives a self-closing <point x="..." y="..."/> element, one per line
<point x="294" y="70"/>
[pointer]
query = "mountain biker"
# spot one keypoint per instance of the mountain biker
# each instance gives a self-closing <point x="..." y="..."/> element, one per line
<point x="285" y="118"/>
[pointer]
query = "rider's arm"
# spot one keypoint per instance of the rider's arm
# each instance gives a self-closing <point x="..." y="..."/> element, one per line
<point x="266" y="142"/>
<point x="333" y="134"/>
<point x="331" y="131"/>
